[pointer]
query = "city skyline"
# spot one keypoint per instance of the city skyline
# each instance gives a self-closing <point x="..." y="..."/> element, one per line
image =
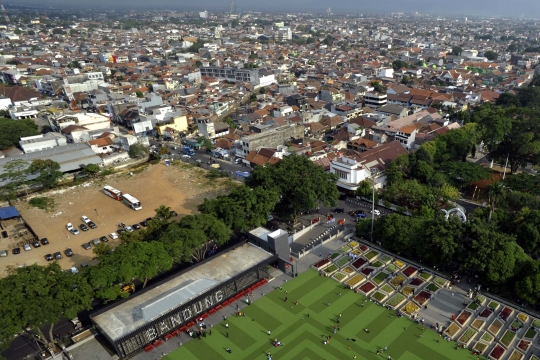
<point x="517" y="8"/>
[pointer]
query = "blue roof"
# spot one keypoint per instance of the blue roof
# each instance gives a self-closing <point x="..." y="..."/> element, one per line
<point x="8" y="212"/>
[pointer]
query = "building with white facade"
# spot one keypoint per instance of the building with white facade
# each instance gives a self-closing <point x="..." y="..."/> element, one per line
<point x="385" y="73"/>
<point x="232" y="74"/>
<point x="283" y="33"/>
<point x="90" y="121"/>
<point x="374" y="99"/>
<point x="41" y="142"/>
<point x="352" y="170"/>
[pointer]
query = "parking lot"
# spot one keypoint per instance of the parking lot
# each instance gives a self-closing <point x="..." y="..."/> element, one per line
<point x="180" y="187"/>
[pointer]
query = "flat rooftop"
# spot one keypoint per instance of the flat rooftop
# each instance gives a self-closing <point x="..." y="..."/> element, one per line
<point x="148" y="305"/>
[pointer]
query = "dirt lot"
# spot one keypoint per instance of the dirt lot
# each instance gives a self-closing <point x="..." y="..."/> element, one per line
<point x="180" y="187"/>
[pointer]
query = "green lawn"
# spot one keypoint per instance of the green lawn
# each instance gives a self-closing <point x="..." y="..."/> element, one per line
<point x="303" y="335"/>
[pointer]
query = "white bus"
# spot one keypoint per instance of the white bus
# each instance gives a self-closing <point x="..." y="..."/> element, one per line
<point x="132" y="202"/>
<point x="112" y="192"/>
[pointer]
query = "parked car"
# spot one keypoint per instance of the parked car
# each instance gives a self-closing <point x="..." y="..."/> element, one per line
<point x="27" y="247"/>
<point x="174" y="213"/>
<point x="16" y="251"/>
<point x="49" y="257"/>
<point x="361" y="216"/>
<point x="186" y="156"/>
<point x="92" y="225"/>
<point x="36" y="244"/>
<point x="57" y="255"/>
<point x="144" y="223"/>
<point x="104" y="239"/>
<point x="86" y="246"/>
<point x="85" y="219"/>
<point x="376" y="212"/>
<point x="74" y="270"/>
<point x="44" y="241"/>
<point x="113" y="236"/>
<point x="340" y="210"/>
<point x="121" y="231"/>
<point x="3" y="253"/>
<point x="83" y="227"/>
<point x="68" y="252"/>
<point x="95" y="242"/>
<point x="129" y="228"/>
<point x="136" y="226"/>
<point x="71" y="229"/>
<point x="360" y="212"/>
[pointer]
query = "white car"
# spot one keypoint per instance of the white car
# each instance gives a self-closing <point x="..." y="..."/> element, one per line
<point x="71" y="229"/>
<point x="186" y="156"/>
<point x="113" y="236"/>
<point x="27" y="247"/>
<point x="85" y="219"/>
<point x="376" y="212"/>
<point x="74" y="270"/>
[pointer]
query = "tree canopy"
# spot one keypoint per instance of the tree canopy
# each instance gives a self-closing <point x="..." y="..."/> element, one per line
<point x="300" y="183"/>
<point x="13" y="130"/>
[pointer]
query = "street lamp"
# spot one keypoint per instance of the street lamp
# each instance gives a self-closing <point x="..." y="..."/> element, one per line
<point x="97" y="214"/>
<point x="373" y="174"/>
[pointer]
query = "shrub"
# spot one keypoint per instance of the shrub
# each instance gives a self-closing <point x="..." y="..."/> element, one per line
<point x="508" y="337"/>
<point x="331" y="268"/>
<point x="410" y="308"/>
<point x="493" y="304"/>
<point x="473" y="306"/>
<point x="397" y="280"/>
<point x="380" y="277"/>
<point x="370" y="255"/>
<point x="378" y="296"/>
<point x="487" y="337"/>
<point x="425" y="275"/>
<point x="440" y="281"/>
<point x="432" y="287"/>
<point x="343" y="261"/>
<point x="536" y="323"/>
<point x="480" y="347"/>
<point x="43" y="203"/>
<point x="377" y="264"/>
<point x="385" y="258"/>
<point x="348" y="270"/>
<point x="531" y="333"/>
<point x="477" y="324"/>
<point x="354" y="280"/>
<point x="387" y="289"/>
<point x="452" y="329"/>
<point x="334" y="255"/>
<point x="467" y="335"/>
<point x="395" y="300"/>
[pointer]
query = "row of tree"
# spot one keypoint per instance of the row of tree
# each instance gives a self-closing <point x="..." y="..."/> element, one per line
<point x="501" y="242"/>
<point x="36" y="297"/>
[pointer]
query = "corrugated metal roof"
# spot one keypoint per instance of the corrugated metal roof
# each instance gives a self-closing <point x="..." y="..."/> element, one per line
<point x="8" y="212"/>
<point x="70" y="157"/>
<point x="173" y="299"/>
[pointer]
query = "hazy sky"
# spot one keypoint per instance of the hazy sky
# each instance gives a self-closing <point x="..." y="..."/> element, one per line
<point x="527" y="8"/>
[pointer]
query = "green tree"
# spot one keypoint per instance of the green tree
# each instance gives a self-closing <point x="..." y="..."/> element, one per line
<point x="215" y="231"/>
<point x="507" y="100"/>
<point x="405" y="80"/>
<point x="376" y="86"/>
<point x="205" y="143"/>
<point x="15" y="172"/>
<point x="101" y="249"/>
<point x="243" y="209"/>
<point x="398" y="64"/>
<point x="138" y="151"/>
<point x="47" y="171"/>
<point x="91" y="170"/>
<point x="13" y="130"/>
<point x="150" y="258"/>
<point x="300" y="183"/>
<point x="139" y="94"/>
<point x="456" y="50"/>
<point x="462" y="174"/>
<point x="491" y="55"/>
<point x="495" y="193"/>
<point x="37" y="296"/>
<point x="230" y="122"/>
<point x="530" y="97"/>
<point x="198" y="63"/>
<point x="527" y="286"/>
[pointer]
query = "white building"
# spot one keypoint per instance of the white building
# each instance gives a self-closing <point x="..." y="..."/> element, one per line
<point x="41" y="142"/>
<point x="350" y="172"/>
<point x="386" y="73"/>
<point x="284" y="33"/>
<point x="21" y="113"/>
<point x="5" y="103"/>
<point x="90" y="121"/>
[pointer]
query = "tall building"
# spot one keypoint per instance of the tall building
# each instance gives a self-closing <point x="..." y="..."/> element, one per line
<point x="232" y="7"/>
<point x="203" y="14"/>
<point x="284" y="33"/>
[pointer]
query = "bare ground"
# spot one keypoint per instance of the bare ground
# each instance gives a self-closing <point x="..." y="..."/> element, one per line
<point x="181" y="187"/>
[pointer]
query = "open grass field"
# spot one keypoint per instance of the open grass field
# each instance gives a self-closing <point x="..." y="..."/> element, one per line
<point x="303" y="328"/>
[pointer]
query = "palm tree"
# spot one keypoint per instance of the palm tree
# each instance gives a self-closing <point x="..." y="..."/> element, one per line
<point x="495" y="193"/>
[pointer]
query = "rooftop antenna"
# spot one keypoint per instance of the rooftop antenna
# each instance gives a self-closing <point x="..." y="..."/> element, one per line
<point x="4" y="12"/>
